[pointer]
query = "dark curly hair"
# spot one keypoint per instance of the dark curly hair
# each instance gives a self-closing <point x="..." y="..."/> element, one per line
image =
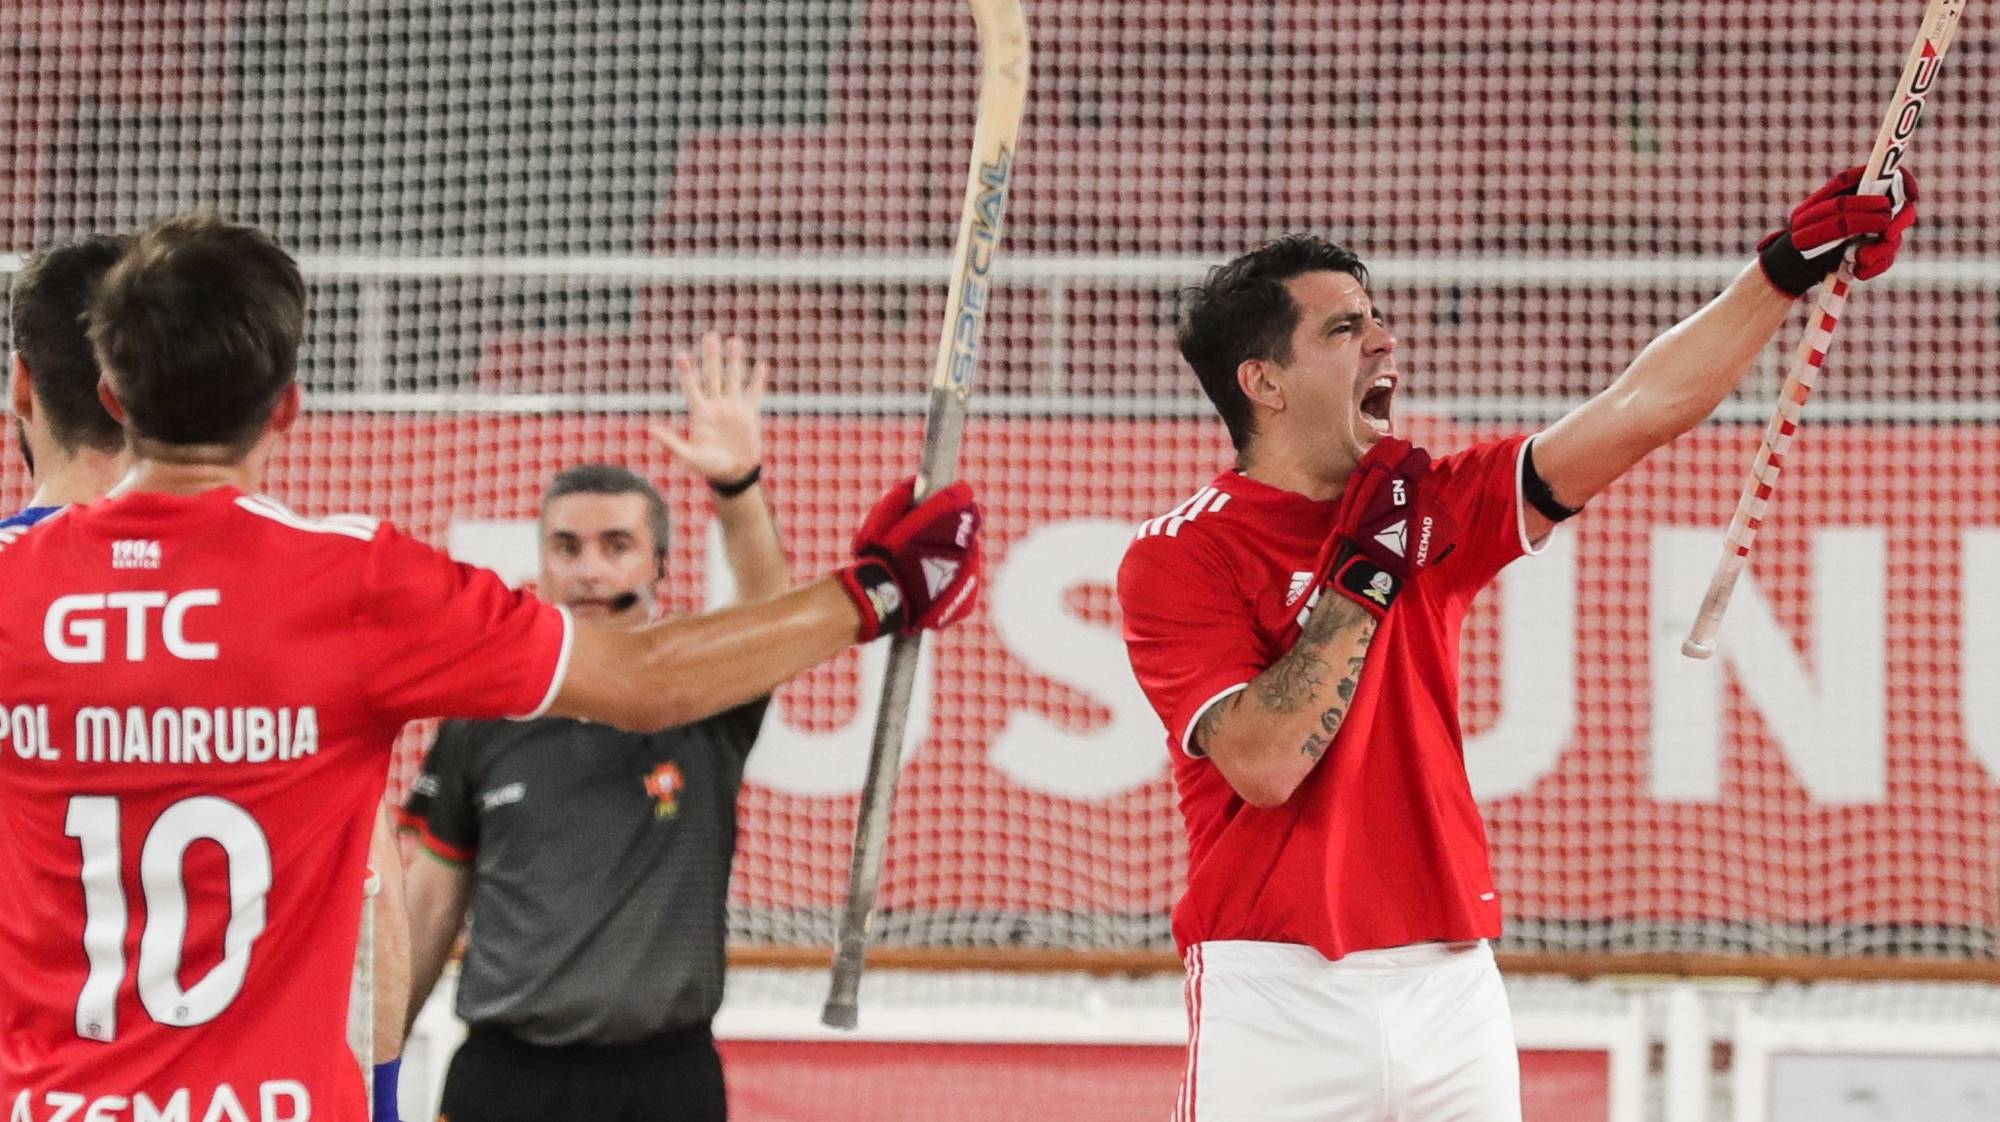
<point x="1242" y="310"/>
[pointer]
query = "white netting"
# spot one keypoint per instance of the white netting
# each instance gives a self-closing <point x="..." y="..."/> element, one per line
<point x="515" y="212"/>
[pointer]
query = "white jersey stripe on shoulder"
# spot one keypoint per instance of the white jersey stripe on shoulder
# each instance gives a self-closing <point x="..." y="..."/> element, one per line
<point x="1207" y="502"/>
<point x="354" y="526"/>
<point x="1153" y="525"/>
<point x="1170" y="523"/>
<point x="1191" y="503"/>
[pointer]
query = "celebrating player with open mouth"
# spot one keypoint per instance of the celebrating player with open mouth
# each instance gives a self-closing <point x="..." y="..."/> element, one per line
<point x="1296" y="625"/>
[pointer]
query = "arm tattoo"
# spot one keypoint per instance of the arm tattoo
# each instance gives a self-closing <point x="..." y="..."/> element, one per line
<point x="1293" y="682"/>
<point x="1204" y="729"/>
<point x="1329" y="720"/>
<point x="1335" y="715"/>
<point x="1292" y="679"/>
<point x="1354" y="665"/>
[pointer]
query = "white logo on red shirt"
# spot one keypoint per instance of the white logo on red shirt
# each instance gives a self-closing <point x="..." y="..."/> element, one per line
<point x="75" y="628"/>
<point x="135" y="553"/>
<point x="1301" y="580"/>
<point x="277" y="1100"/>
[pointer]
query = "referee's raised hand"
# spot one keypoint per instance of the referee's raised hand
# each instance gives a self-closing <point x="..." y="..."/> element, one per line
<point x="724" y="441"/>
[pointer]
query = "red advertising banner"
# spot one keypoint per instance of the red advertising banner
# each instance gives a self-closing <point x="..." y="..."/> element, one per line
<point x="1834" y="769"/>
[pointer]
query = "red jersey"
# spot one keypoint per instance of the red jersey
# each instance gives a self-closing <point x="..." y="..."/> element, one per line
<point x="1382" y="844"/>
<point x="199" y="698"/>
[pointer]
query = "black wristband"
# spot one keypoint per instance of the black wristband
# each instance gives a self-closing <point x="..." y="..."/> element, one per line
<point x="873" y="586"/>
<point x="1791" y="271"/>
<point x="1536" y="490"/>
<point x="730" y="488"/>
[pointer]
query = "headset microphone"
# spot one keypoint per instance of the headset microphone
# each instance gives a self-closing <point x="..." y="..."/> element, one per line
<point x="624" y="601"/>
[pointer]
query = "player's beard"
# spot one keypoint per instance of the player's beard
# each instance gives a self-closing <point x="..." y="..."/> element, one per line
<point x="27" y="453"/>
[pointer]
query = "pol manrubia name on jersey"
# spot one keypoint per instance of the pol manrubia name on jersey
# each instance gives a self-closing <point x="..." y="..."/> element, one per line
<point x="89" y="627"/>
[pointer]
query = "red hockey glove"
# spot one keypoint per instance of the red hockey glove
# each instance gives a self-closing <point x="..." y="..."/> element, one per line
<point x="1385" y="530"/>
<point x="1807" y="250"/>
<point x="916" y="567"/>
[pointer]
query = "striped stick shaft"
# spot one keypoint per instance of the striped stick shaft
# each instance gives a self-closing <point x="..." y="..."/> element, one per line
<point x="1754" y="504"/>
<point x="1899" y="124"/>
<point x="1755" y="501"/>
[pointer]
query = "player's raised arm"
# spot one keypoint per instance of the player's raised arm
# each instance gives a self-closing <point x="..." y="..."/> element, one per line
<point x="916" y="568"/>
<point x="1681" y="376"/>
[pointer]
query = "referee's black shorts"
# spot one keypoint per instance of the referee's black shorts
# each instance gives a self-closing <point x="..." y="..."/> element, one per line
<point x="496" y="1077"/>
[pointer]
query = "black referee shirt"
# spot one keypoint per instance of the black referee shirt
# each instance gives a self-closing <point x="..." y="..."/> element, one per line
<point x="600" y="863"/>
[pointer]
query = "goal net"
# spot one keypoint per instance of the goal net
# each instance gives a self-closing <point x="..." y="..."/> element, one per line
<point x="513" y="213"/>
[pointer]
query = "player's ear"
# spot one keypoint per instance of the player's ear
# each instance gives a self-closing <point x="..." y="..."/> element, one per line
<point x="287" y="412"/>
<point x="1258" y="380"/>
<point x="109" y="399"/>
<point x="20" y="391"/>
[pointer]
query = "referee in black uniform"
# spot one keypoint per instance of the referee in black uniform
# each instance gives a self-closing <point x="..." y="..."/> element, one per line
<point x="597" y="874"/>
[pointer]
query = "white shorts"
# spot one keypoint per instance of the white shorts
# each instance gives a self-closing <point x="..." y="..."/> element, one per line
<point x="1276" y="1033"/>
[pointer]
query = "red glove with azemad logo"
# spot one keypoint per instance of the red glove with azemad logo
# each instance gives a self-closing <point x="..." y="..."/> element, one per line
<point x="1385" y="530"/>
<point x="917" y="566"/>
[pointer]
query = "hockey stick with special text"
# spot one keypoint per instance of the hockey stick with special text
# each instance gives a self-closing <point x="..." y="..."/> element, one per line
<point x="1003" y="87"/>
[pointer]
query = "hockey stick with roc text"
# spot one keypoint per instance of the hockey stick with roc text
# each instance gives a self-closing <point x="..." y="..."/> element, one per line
<point x="1003" y="87"/>
<point x="1891" y="142"/>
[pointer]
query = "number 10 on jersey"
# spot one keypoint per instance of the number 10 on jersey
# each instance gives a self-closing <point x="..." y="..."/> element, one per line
<point x="93" y="820"/>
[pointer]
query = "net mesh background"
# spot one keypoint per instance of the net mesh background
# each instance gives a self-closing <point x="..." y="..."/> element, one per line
<point x="513" y="214"/>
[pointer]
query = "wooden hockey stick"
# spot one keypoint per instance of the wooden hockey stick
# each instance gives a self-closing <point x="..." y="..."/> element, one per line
<point x="1891" y="142"/>
<point x="1003" y="87"/>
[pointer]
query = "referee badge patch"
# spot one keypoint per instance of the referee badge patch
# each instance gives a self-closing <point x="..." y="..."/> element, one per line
<point x="664" y="783"/>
